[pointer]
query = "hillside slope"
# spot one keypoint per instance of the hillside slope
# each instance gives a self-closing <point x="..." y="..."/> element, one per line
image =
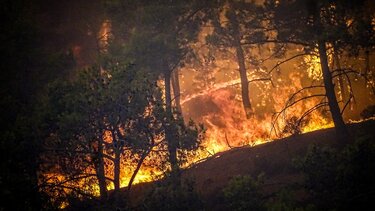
<point x="274" y="159"/>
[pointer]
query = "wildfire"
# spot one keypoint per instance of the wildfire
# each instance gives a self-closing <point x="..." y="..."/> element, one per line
<point x="220" y="109"/>
<point x="218" y="106"/>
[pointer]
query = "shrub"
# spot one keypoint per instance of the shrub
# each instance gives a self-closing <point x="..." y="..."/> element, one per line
<point x="341" y="179"/>
<point x="355" y="174"/>
<point x="319" y="166"/>
<point x="368" y="112"/>
<point x="171" y="196"/>
<point x="243" y="193"/>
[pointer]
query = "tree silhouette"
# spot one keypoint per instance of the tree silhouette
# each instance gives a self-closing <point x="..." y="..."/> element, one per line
<point x="236" y="24"/>
<point x="317" y="26"/>
<point x="158" y="42"/>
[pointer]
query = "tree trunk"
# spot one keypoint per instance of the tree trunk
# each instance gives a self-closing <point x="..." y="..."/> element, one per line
<point x="100" y="173"/>
<point x="242" y="67"/>
<point x="341" y="129"/>
<point x="341" y="79"/>
<point x="172" y="148"/>
<point x="367" y="71"/>
<point x="244" y="82"/>
<point x="176" y="90"/>
<point x="139" y="164"/>
<point x="117" y="169"/>
<point x="116" y="176"/>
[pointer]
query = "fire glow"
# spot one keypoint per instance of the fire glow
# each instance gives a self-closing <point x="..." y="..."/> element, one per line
<point x="218" y="105"/>
<point x="220" y="109"/>
<point x="228" y="127"/>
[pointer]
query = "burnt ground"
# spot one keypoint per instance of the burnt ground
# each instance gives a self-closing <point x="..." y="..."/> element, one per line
<point x="273" y="159"/>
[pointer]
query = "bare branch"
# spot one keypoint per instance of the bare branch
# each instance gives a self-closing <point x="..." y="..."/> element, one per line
<point x="345" y="72"/>
<point x="290" y="104"/>
<point x="71" y="179"/>
<point x="278" y="50"/>
<point x="183" y="22"/>
<point x="301" y="99"/>
<point x="75" y="189"/>
<point x="316" y="107"/>
<point x="276" y="42"/>
<point x="255" y="80"/>
<point x="287" y="60"/>
<point x="67" y="150"/>
<point x="226" y="140"/>
<point x="108" y="157"/>
<point x="262" y="79"/>
<point x="347" y="103"/>
<point x="301" y="90"/>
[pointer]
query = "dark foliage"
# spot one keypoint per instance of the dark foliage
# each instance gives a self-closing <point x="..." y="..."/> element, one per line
<point x="26" y="66"/>
<point x="243" y="193"/>
<point x="341" y="179"/>
<point x="368" y="112"/>
<point x="285" y="201"/>
<point x="169" y="195"/>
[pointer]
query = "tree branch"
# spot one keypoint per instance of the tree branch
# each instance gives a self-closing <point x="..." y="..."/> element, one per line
<point x="287" y="60"/>
<point x="276" y="42"/>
